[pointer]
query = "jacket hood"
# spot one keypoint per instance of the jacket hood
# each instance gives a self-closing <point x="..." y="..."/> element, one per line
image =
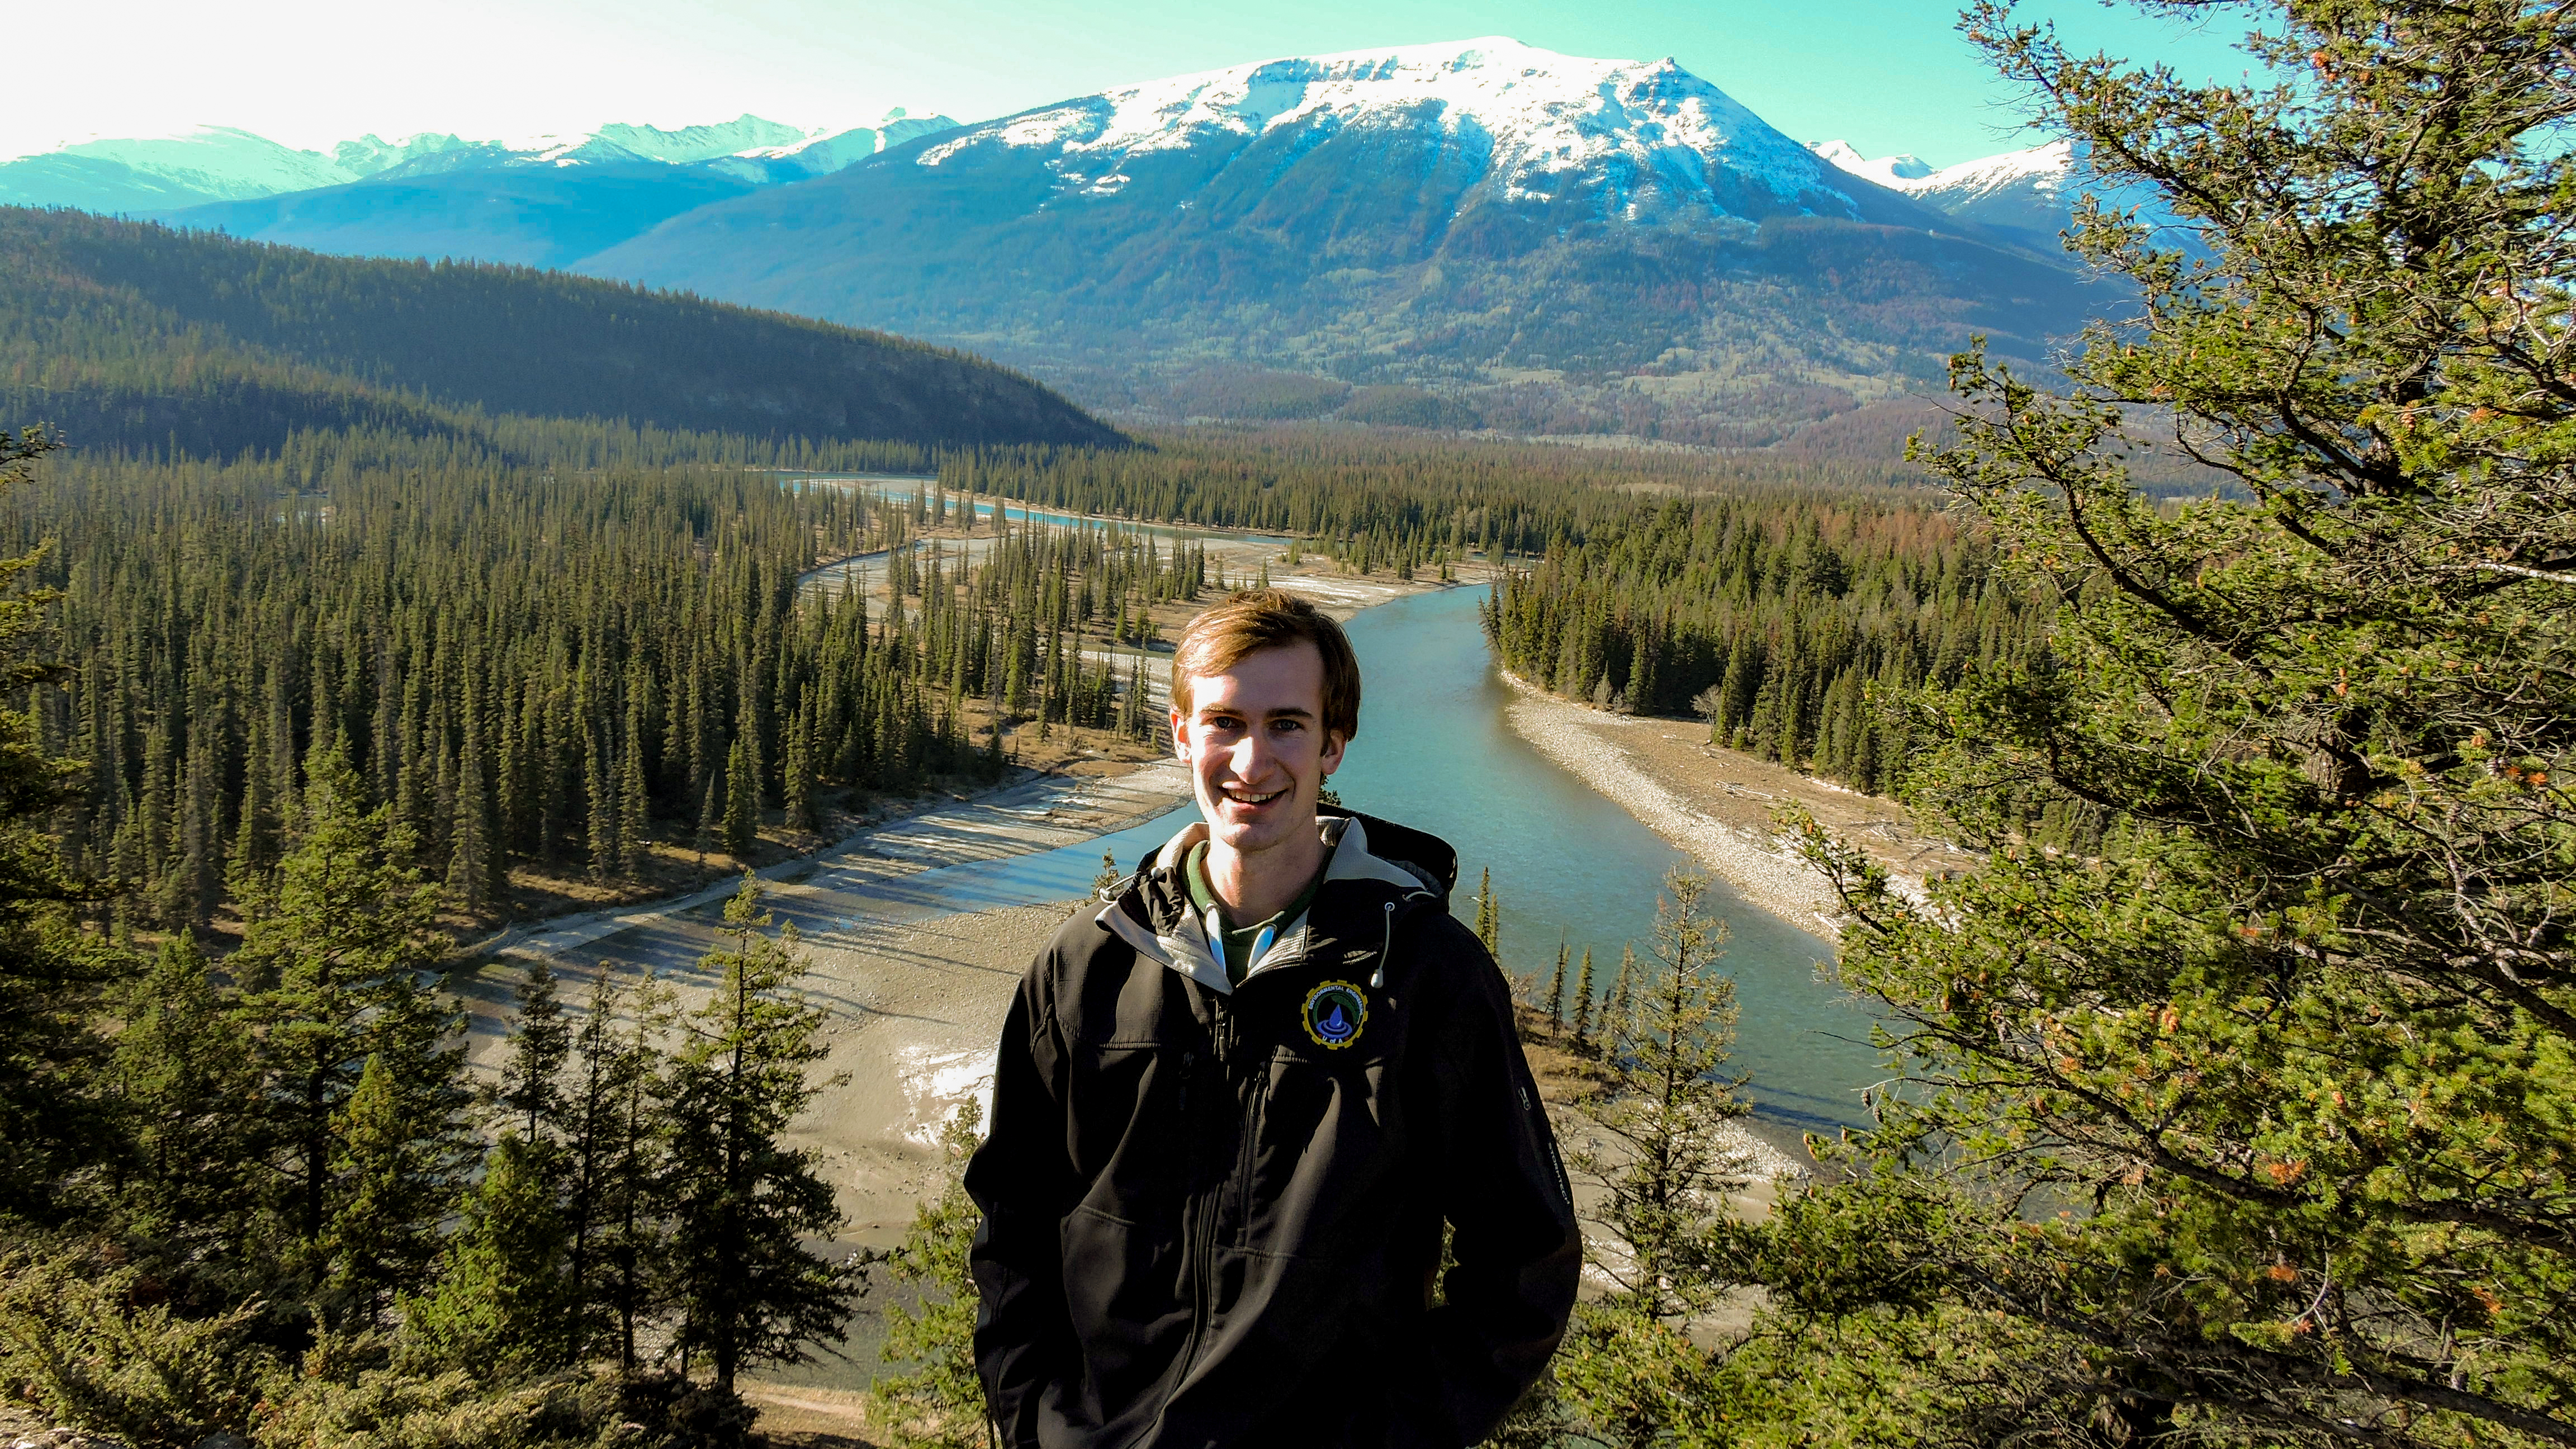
<point x="1430" y="859"/>
<point x="1361" y="849"/>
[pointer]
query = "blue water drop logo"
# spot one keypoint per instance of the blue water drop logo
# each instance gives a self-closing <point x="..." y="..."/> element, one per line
<point x="1335" y="1012"/>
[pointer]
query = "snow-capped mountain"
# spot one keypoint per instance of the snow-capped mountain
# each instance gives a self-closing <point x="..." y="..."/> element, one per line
<point x="2028" y="194"/>
<point x="208" y="163"/>
<point x="819" y="154"/>
<point x="222" y="164"/>
<point x="1892" y="172"/>
<point x="1646" y="140"/>
<point x="1462" y="214"/>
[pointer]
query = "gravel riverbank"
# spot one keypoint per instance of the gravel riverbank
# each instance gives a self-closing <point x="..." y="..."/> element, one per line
<point x="1716" y="804"/>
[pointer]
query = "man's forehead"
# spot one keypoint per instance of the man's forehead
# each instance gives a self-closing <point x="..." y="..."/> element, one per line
<point x="1283" y="679"/>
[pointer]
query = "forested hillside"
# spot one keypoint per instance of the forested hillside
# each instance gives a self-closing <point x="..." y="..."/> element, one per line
<point x="134" y="336"/>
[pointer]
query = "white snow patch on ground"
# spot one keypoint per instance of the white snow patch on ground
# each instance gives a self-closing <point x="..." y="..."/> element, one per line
<point x="937" y="1083"/>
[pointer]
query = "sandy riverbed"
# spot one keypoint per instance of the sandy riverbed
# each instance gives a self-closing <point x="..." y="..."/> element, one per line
<point x="1717" y="803"/>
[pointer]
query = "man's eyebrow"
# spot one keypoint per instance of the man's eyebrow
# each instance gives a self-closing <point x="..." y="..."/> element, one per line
<point x="1292" y="711"/>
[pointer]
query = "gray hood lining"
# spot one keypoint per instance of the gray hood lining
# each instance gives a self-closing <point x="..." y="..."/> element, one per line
<point x="1187" y="950"/>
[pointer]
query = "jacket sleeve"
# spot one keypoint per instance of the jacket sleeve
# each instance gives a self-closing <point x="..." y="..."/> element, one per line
<point x="1022" y="1180"/>
<point x="1519" y="1250"/>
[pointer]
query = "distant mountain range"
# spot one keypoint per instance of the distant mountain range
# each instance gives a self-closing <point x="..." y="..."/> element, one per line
<point x="155" y="174"/>
<point x="1477" y="233"/>
<point x="540" y="201"/>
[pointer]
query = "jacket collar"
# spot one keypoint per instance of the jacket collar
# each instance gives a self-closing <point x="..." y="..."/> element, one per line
<point x="1178" y="938"/>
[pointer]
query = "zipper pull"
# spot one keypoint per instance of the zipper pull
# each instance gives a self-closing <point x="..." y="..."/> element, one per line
<point x="1385" y="943"/>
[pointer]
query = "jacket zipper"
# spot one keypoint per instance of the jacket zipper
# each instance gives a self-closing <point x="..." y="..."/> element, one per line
<point x="1203" y="1276"/>
<point x="1212" y="1212"/>
<point x="1203" y="1234"/>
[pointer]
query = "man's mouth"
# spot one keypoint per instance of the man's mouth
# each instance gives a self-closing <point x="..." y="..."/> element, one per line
<point x="1236" y="794"/>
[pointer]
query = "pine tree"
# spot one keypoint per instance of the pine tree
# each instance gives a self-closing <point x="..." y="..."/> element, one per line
<point x="1614" y="1012"/>
<point x="332" y="969"/>
<point x="2286" y="1043"/>
<point x="50" y="1122"/>
<point x="741" y="802"/>
<point x="1583" y="1004"/>
<point x="1666" y="1100"/>
<point x="501" y="1300"/>
<point x="615" y="1151"/>
<point x="395" y="1166"/>
<point x="938" y="1401"/>
<point x="599" y="792"/>
<point x="1489" y="915"/>
<point x="181" y="1073"/>
<point x="710" y="818"/>
<point x="1556" y="989"/>
<point x="634" y="800"/>
<point x="531" y="1090"/>
<point x="797" y="789"/>
<point x="743" y="1203"/>
<point x="471" y="868"/>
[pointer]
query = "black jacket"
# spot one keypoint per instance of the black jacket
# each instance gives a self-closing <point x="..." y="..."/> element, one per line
<point x="1214" y="1218"/>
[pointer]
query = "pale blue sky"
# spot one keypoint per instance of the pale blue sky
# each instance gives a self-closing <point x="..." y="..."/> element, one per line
<point x="1888" y="75"/>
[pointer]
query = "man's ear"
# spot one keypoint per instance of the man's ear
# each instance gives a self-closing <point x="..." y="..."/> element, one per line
<point x="1333" y="745"/>
<point x="1180" y="735"/>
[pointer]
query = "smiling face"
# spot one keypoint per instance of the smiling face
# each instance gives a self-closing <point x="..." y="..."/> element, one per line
<point x="1258" y="751"/>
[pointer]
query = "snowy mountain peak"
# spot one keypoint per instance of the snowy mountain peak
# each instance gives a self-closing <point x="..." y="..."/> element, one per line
<point x="2045" y="167"/>
<point x="214" y="161"/>
<point x="370" y="154"/>
<point x="1653" y="134"/>
<point x="2028" y="194"/>
<point x="1888" y="171"/>
<point x="746" y="132"/>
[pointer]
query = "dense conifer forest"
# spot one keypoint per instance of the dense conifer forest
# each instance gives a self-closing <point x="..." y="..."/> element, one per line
<point x="1401" y="500"/>
<point x="1788" y="623"/>
<point x="529" y="665"/>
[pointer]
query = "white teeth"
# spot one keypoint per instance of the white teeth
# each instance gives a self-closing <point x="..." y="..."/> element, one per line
<point x="1242" y="799"/>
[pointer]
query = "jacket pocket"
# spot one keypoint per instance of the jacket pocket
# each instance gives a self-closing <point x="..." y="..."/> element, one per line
<point x="1125" y="1130"/>
<point x="1127" y="1294"/>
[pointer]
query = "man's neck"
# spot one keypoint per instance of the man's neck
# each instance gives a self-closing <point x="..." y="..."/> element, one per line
<point x="1258" y="885"/>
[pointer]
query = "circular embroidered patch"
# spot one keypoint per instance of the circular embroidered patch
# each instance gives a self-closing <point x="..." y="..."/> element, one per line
<point x="1335" y="1012"/>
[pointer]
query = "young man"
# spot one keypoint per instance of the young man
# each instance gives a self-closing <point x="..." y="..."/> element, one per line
<point x="1239" y="1100"/>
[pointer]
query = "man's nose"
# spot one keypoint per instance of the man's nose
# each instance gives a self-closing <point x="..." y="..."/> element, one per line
<point x="1252" y="757"/>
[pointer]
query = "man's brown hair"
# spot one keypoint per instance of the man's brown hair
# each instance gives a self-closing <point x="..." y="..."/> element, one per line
<point x="1252" y="620"/>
